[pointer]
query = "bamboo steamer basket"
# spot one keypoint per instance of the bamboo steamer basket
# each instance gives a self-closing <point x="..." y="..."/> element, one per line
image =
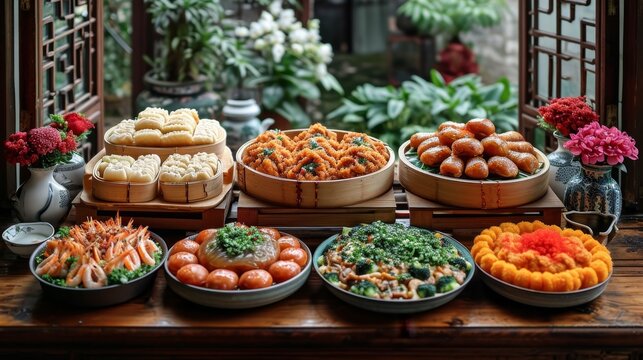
<point x="123" y="191"/>
<point x="477" y="194"/>
<point x="313" y="194"/>
<point x="193" y="191"/>
<point x="218" y="147"/>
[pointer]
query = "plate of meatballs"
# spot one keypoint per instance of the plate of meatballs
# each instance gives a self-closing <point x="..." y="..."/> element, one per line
<point x="472" y="155"/>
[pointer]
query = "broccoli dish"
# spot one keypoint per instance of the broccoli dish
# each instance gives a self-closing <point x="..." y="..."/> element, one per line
<point x="392" y="261"/>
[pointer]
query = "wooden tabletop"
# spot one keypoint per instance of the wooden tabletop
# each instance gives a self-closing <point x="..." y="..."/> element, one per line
<point x="478" y="323"/>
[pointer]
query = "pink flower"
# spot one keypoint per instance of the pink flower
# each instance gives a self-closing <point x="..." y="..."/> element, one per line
<point x="598" y="144"/>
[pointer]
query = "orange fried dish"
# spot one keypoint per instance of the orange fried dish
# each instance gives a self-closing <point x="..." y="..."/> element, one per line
<point x="541" y="257"/>
<point x="316" y="154"/>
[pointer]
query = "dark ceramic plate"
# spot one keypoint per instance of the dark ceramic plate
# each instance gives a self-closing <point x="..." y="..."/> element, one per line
<point x="105" y="296"/>
<point x="395" y="306"/>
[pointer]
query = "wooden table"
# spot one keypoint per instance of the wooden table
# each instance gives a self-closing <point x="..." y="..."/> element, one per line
<point x="478" y="324"/>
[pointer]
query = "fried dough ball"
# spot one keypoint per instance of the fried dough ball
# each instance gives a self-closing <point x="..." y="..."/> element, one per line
<point x="435" y="155"/>
<point x="494" y="146"/>
<point x="480" y="128"/>
<point x="359" y="161"/>
<point x="452" y="166"/>
<point x="316" y="130"/>
<point x="477" y="168"/>
<point x="276" y="135"/>
<point x="450" y="134"/>
<point x="521" y="146"/>
<point x="526" y="162"/>
<point x="511" y="136"/>
<point x="502" y="166"/>
<point x="418" y="138"/>
<point x="451" y="124"/>
<point x="467" y="148"/>
<point x="312" y="165"/>
<point x="428" y="143"/>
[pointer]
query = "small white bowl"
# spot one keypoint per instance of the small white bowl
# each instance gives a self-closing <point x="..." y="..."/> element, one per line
<point x="23" y="238"/>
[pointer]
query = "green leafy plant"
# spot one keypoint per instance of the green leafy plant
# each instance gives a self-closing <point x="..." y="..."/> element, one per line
<point x="117" y="62"/>
<point x="394" y="114"/>
<point x="194" y="41"/>
<point x="291" y="59"/>
<point x="452" y="17"/>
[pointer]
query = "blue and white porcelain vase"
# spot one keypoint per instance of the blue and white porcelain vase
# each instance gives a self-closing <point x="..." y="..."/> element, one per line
<point x="562" y="166"/>
<point x="41" y="198"/>
<point x="70" y="175"/>
<point x="594" y="189"/>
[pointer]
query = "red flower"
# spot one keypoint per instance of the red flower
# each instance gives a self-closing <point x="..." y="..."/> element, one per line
<point x="68" y="144"/>
<point x="43" y="140"/>
<point x="568" y="114"/>
<point x="456" y="60"/>
<point x="18" y="151"/>
<point x="77" y="123"/>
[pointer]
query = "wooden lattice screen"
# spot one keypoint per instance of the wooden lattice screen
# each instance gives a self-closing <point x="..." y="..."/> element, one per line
<point x="61" y="47"/>
<point x="568" y="48"/>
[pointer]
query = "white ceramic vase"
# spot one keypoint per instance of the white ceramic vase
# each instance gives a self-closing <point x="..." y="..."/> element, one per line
<point x="70" y="174"/>
<point x="41" y="198"/>
<point x="562" y="167"/>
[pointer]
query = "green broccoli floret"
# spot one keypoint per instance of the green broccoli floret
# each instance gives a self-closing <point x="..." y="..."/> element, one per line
<point x="419" y="271"/>
<point x="53" y="280"/>
<point x="365" y="266"/>
<point x="446" y="284"/>
<point x="404" y="277"/>
<point x="426" y="290"/>
<point x="332" y="278"/>
<point x="460" y="263"/>
<point x="321" y="260"/>
<point x="365" y="288"/>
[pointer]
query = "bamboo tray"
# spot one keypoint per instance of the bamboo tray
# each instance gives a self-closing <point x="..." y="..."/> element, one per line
<point x="251" y="211"/>
<point x="217" y="147"/>
<point x="312" y="194"/>
<point x="193" y="191"/>
<point x="476" y="194"/>
<point x="123" y="191"/>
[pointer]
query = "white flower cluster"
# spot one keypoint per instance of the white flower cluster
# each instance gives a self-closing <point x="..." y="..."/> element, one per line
<point x="278" y="32"/>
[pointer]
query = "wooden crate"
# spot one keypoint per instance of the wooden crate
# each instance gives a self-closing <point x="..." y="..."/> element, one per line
<point x="251" y="211"/>
<point x="466" y="222"/>
<point x="159" y="214"/>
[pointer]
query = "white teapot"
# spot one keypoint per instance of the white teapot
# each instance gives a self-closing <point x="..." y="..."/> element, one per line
<point x="241" y="123"/>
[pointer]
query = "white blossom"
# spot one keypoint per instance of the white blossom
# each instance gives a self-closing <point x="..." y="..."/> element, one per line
<point x="266" y="16"/>
<point x="325" y="52"/>
<point x="260" y="44"/>
<point x="268" y="25"/>
<point x="255" y="30"/>
<point x="241" y="31"/>
<point x="297" y="49"/>
<point x="278" y="52"/>
<point x="313" y="24"/>
<point x="277" y="37"/>
<point x="313" y="35"/>
<point x="299" y="36"/>
<point x="275" y="7"/>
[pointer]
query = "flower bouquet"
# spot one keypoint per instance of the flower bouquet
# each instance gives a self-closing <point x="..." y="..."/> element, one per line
<point x="41" y="149"/>
<point x="566" y="115"/>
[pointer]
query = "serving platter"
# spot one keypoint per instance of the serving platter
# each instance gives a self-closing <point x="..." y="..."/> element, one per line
<point x="543" y="298"/>
<point x="239" y="299"/>
<point x="313" y="194"/>
<point x="104" y="296"/>
<point x="475" y="194"/>
<point x="395" y="306"/>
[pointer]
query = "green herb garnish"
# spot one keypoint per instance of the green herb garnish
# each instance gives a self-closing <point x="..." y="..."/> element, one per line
<point x="123" y="276"/>
<point x="310" y="167"/>
<point x="313" y="144"/>
<point x="56" y="281"/>
<point x="63" y="232"/>
<point x="362" y="161"/>
<point x="235" y="240"/>
<point x="267" y="151"/>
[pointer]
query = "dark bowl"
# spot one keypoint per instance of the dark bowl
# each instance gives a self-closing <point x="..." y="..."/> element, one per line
<point x="395" y="306"/>
<point x="105" y="296"/>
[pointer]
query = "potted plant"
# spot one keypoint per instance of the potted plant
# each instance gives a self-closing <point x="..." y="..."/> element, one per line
<point x="450" y="18"/>
<point x="189" y="55"/>
<point x="292" y="62"/>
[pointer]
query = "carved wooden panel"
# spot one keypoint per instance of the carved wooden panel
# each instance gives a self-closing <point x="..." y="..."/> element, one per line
<point x="564" y="47"/>
<point x="65" y="39"/>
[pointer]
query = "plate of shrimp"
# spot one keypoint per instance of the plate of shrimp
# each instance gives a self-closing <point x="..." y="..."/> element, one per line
<point x="98" y="263"/>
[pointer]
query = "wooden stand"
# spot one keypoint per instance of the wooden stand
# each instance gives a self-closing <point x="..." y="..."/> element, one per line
<point x="431" y="215"/>
<point x="158" y="214"/>
<point x="254" y="212"/>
